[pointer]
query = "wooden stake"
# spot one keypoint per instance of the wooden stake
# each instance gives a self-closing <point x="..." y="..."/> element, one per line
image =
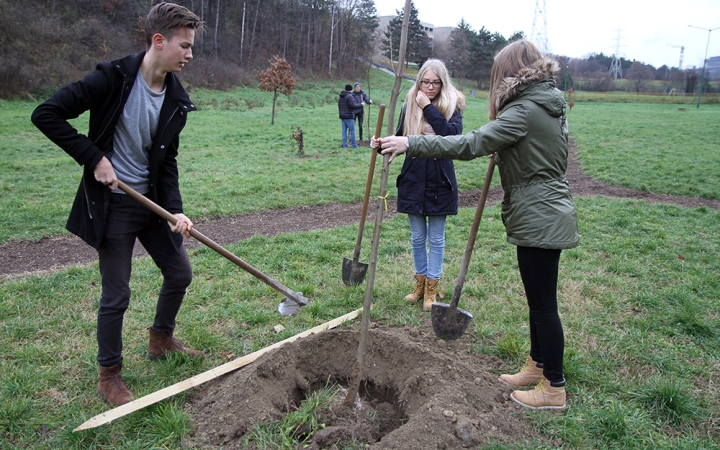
<point x="162" y="394"/>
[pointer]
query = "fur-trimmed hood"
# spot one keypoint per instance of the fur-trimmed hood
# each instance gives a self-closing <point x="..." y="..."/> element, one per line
<point x="538" y="80"/>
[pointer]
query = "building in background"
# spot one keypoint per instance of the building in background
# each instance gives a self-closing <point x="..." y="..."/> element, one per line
<point x="437" y="35"/>
<point x="713" y="67"/>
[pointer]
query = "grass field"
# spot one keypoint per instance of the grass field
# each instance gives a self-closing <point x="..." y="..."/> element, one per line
<point x="638" y="297"/>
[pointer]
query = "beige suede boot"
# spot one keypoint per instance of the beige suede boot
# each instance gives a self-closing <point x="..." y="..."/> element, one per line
<point x="111" y="386"/>
<point x="419" y="290"/>
<point x="543" y="396"/>
<point x="429" y="297"/>
<point x="529" y="374"/>
<point x="163" y="343"/>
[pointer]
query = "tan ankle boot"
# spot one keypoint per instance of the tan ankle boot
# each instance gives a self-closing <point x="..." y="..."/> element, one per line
<point x="419" y="290"/>
<point x="111" y="386"/>
<point x="163" y="343"/>
<point x="529" y="374"/>
<point x="429" y="296"/>
<point x="543" y="396"/>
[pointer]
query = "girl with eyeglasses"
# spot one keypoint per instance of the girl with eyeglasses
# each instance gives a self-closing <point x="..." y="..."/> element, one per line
<point x="528" y="136"/>
<point x="427" y="188"/>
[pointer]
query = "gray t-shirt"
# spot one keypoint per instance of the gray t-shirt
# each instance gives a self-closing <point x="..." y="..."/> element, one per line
<point x="134" y="134"/>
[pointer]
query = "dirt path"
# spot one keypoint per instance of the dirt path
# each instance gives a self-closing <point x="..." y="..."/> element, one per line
<point x="22" y="257"/>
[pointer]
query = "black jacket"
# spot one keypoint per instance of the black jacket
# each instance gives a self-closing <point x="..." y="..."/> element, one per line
<point x="427" y="186"/>
<point x="104" y="93"/>
<point x="347" y="105"/>
<point x="359" y="98"/>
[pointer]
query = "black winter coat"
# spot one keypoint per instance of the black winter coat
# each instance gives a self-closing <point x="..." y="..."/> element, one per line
<point x="104" y="93"/>
<point x="359" y="98"/>
<point x="347" y="105"/>
<point x="427" y="186"/>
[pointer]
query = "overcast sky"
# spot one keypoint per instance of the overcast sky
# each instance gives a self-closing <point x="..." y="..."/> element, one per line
<point x="648" y="31"/>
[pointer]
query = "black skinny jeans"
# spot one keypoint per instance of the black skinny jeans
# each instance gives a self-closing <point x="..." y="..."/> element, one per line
<point x="126" y="220"/>
<point x="539" y="273"/>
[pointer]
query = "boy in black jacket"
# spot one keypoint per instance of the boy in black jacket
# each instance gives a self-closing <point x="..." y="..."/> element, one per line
<point x="346" y="109"/>
<point x="137" y="110"/>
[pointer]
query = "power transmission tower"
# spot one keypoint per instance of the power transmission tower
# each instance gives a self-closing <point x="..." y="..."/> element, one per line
<point x="538" y="35"/>
<point x="615" y="66"/>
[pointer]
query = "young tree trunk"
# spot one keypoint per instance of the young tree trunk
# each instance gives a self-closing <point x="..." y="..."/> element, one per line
<point x="275" y="96"/>
<point x="252" y="37"/>
<point x="242" y="34"/>
<point x="332" y="29"/>
<point x="399" y="73"/>
<point x="217" y="25"/>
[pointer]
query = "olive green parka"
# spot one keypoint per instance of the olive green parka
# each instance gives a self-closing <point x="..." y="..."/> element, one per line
<point x="529" y="140"/>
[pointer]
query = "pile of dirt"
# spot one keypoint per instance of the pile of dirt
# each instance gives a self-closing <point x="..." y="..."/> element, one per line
<point x="418" y="392"/>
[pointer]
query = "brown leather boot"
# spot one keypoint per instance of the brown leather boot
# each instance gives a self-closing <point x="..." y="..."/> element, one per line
<point x="419" y="290"/>
<point x="163" y="343"/>
<point x="429" y="296"/>
<point x="529" y="374"/>
<point x="544" y="396"/>
<point x="111" y="386"/>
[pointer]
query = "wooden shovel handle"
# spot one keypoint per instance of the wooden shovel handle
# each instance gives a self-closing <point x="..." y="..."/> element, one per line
<point x="473" y="234"/>
<point x="368" y="185"/>
<point x="157" y="209"/>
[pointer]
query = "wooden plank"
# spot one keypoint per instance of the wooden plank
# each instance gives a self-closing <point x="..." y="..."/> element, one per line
<point x="162" y="394"/>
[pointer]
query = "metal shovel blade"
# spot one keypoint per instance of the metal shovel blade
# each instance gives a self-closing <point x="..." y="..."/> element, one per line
<point x="289" y="307"/>
<point x="353" y="272"/>
<point x="449" y="323"/>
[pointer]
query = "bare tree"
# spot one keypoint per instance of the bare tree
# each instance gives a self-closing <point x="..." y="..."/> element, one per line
<point x="639" y="74"/>
<point x="278" y="78"/>
<point x="399" y="72"/>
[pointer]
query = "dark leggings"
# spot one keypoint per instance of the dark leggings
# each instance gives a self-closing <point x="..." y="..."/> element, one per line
<point x="539" y="273"/>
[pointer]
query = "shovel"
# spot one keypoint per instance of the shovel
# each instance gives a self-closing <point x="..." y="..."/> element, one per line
<point x="354" y="386"/>
<point x="289" y="306"/>
<point x="449" y="321"/>
<point x="353" y="271"/>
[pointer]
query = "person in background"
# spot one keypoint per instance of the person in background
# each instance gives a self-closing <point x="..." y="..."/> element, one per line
<point x="137" y="110"/>
<point x="346" y="108"/>
<point x="361" y="98"/>
<point x="427" y="188"/>
<point x="528" y="137"/>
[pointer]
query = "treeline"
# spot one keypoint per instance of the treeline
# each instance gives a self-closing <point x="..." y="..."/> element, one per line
<point x="47" y="43"/>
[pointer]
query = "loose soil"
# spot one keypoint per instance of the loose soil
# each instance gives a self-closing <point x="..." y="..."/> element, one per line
<point x="418" y="392"/>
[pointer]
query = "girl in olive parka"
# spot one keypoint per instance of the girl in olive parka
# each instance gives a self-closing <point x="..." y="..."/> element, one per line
<point x="528" y="137"/>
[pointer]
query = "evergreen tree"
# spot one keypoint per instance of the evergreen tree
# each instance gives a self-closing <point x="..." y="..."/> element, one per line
<point x="418" y="43"/>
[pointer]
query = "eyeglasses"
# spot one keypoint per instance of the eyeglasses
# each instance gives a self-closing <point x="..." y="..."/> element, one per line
<point x="428" y="83"/>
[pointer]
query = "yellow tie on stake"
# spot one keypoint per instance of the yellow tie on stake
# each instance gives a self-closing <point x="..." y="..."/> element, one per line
<point x="385" y="199"/>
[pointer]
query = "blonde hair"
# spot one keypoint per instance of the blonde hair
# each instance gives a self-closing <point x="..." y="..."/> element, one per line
<point x="414" y="119"/>
<point x="509" y="62"/>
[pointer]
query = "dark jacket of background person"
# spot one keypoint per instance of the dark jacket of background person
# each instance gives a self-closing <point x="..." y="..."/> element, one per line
<point x="529" y="139"/>
<point x="104" y="93"/>
<point x="347" y="105"/>
<point x="427" y="186"/>
<point x="359" y="98"/>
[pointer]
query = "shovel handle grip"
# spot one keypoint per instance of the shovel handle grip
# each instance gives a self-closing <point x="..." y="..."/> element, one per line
<point x="473" y="234"/>
<point x="157" y="209"/>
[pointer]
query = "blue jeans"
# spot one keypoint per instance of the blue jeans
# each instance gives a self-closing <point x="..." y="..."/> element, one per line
<point x="127" y="220"/>
<point x="426" y="230"/>
<point x="348" y="124"/>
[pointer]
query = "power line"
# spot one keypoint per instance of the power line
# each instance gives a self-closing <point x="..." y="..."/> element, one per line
<point x="538" y="34"/>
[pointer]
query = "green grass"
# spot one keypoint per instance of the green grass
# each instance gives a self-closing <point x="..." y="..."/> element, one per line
<point x="638" y="297"/>
<point x="232" y="161"/>
<point x="651" y="147"/>
<point x="642" y="326"/>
